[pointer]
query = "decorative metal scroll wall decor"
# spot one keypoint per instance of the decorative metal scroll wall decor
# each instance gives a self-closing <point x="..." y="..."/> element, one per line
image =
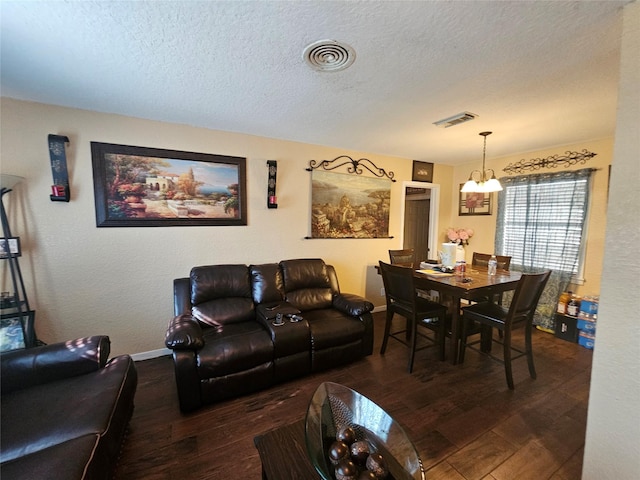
<point x="355" y="166"/>
<point x="554" y="161"/>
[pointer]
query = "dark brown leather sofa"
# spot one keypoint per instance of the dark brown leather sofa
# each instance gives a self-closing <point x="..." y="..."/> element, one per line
<point x="226" y="338"/>
<point x="65" y="409"/>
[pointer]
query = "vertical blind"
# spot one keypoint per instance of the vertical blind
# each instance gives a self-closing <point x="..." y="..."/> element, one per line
<point x="541" y="219"/>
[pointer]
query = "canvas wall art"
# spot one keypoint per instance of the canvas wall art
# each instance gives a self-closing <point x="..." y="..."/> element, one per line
<point x="349" y="206"/>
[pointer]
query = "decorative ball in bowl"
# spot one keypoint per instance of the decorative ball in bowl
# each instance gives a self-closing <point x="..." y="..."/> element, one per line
<point x="349" y="437"/>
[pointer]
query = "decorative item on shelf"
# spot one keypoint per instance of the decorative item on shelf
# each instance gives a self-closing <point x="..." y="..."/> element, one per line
<point x="486" y="183"/>
<point x="10" y="247"/>
<point x="60" y="188"/>
<point x="272" y="199"/>
<point x="355" y="166"/>
<point x="553" y="161"/>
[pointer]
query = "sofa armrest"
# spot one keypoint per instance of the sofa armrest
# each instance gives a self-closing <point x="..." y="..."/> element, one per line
<point x="184" y="333"/>
<point x="351" y="304"/>
<point x="34" y="366"/>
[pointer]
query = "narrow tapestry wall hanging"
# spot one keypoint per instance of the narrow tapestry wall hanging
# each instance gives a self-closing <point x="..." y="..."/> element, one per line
<point x="349" y="206"/>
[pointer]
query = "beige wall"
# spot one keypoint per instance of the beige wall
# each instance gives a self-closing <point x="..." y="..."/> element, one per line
<point x="612" y="447"/>
<point x="485" y="225"/>
<point x="84" y="280"/>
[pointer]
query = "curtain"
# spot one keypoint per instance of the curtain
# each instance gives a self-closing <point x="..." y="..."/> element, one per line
<point x="540" y="224"/>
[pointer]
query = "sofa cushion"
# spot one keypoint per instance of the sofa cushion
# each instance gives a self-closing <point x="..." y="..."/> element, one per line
<point x="267" y="283"/>
<point x="234" y="348"/>
<point x="219" y="281"/>
<point x="331" y="327"/>
<point x="306" y="283"/>
<point x="224" y="311"/>
<point x="221" y="294"/>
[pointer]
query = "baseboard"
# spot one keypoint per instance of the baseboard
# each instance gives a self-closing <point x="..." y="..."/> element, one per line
<point x="161" y="352"/>
<point x="381" y="308"/>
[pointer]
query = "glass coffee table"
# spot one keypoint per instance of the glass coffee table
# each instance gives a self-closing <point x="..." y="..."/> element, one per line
<point x="300" y="450"/>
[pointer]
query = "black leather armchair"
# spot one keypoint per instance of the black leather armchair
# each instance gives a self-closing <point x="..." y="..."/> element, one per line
<point x="223" y="336"/>
<point x="65" y="409"/>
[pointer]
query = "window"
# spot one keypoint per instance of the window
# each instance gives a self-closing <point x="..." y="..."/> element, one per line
<point x="541" y="220"/>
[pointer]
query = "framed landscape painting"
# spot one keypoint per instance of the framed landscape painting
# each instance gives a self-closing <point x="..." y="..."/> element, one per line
<point x="151" y="187"/>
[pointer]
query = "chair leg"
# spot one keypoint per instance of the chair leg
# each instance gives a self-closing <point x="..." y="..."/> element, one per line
<point x="413" y="341"/>
<point x="507" y="358"/>
<point x="529" y="350"/>
<point x="442" y="335"/>
<point x="387" y="330"/>
<point x="463" y="340"/>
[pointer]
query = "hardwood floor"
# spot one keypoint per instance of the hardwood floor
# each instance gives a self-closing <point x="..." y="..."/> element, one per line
<point x="463" y="420"/>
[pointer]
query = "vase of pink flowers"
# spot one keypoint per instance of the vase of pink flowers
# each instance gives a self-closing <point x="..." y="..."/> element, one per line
<point x="459" y="236"/>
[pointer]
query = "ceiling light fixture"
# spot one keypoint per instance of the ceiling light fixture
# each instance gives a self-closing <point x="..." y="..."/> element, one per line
<point x="455" y="120"/>
<point x="329" y="55"/>
<point x="486" y="183"/>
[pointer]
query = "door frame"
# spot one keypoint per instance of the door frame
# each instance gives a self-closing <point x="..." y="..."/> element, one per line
<point x="433" y="212"/>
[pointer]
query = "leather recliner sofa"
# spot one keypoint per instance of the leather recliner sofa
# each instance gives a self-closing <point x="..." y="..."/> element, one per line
<point x="65" y="410"/>
<point x="239" y="329"/>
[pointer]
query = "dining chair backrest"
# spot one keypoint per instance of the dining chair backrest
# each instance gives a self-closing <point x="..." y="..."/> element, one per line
<point x="482" y="260"/>
<point x="404" y="257"/>
<point x="398" y="285"/>
<point x="525" y="298"/>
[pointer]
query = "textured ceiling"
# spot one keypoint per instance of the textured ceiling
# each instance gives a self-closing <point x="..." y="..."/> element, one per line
<point x="538" y="73"/>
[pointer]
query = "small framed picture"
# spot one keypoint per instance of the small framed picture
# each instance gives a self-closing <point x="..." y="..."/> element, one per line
<point x="474" y="203"/>
<point x="14" y="328"/>
<point x="10" y="247"/>
<point x="422" y="172"/>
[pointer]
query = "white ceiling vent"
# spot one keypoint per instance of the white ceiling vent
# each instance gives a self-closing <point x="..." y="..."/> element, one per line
<point x="455" y="120"/>
<point x="329" y="55"/>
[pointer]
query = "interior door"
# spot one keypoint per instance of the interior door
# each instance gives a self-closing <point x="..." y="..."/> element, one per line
<point x="420" y="203"/>
<point x="416" y="225"/>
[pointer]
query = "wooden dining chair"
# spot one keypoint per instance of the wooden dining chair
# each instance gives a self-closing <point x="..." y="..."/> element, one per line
<point x="519" y="315"/>
<point x="482" y="260"/>
<point x="405" y="258"/>
<point x="403" y="299"/>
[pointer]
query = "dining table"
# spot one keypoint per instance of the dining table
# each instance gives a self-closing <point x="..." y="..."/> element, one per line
<point x="473" y="284"/>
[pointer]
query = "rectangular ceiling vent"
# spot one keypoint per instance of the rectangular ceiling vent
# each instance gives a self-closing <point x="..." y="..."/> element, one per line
<point x="455" y="120"/>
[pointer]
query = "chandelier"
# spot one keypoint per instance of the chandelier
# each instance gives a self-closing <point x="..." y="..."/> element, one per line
<point x="482" y="182"/>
